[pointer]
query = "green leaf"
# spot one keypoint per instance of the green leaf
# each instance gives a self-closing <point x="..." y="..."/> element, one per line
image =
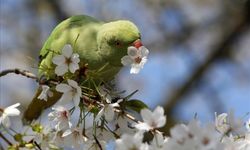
<point x="135" y="105"/>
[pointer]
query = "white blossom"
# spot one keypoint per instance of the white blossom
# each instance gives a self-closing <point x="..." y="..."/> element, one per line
<point x="71" y="92"/>
<point x="100" y="133"/>
<point x="193" y="136"/>
<point x="104" y="93"/>
<point x="152" y="120"/>
<point x="45" y="93"/>
<point x="7" y="112"/>
<point x="244" y="143"/>
<point x="229" y="143"/>
<point x="67" y="61"/>
<point x="205" y="138"/>
<point x="248" y="125"/>
<point x="108" y="111"/>
<point x="229" y="123"/>
<point x="124" y="125"/>
<point x="61" y="117"/>
<point x="58" y="139"/>
<point x="159" y="142"/>
<point x="131" y="142"/>
<point x="221" y="122"/>
<point x="74" y="137"/>
<point x="136" y="58"/>
<point x="45" y="138"/>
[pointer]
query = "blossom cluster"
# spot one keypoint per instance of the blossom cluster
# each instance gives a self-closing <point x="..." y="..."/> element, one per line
<point x="91" y="118"/>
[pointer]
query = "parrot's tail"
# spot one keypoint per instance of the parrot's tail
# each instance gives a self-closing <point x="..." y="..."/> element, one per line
<point x="36" y="106"/>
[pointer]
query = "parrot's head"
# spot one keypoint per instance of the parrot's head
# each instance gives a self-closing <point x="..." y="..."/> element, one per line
<point x="114" y="38"/>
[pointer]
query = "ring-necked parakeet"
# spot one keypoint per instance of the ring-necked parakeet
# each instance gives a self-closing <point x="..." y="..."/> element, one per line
<point x="100" y="45"/>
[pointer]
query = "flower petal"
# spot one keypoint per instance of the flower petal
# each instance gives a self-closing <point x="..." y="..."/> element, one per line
<point x="144" y="51"/>
<point x="109" y="113"/>
<point x="133" y="52"/>
<point x="66" y="133"/>
<point x="146" y="115"/>
<point x="76" y="100"/>
<point x="143" y="126"/>
<point x="73" y="67"/>
<point x="5" y="121"/>
<point x="135" y="69"/>
<point x="126" y="60"/>
<point x="58" y="59"/>
<point x="66" y="98"/>
<point x="63" y="88"/>
<point x="44" y="94"/>
<point x="75" y="58"/>
<point x="67" y="51"/>
<point x="72" y="83"/>
<point x="12" y="110"/>
<point x="161" y="121"/>
<point x="61" y="70"/>
<point x="159" y="111"/>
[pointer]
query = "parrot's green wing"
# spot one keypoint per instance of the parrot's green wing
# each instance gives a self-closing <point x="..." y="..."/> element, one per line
<point x="78" y="31"/>
<point x="100" y="45"/>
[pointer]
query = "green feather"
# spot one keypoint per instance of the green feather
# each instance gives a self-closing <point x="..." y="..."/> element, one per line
<point x="100" y="45"/>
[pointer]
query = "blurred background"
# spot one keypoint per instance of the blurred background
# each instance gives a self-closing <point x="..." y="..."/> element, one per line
<point x="199" y="61"/>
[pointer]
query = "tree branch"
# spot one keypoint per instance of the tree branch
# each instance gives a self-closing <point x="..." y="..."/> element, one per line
<point x="19" y="72"/>
<point x="87" y="99"/>
<point x="5" y="139"/>
<point x="223" y="49"/>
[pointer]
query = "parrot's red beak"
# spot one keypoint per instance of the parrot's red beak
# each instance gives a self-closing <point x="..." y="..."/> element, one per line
<point x="137" y="44"/>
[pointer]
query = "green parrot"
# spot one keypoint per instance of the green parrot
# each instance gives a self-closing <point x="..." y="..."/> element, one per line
<point x="100" y="47"/>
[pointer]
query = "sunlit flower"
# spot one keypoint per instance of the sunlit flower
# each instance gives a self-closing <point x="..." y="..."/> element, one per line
<point x="61" y="117"/>
<point x="108" y="111"/>
<point x="136" y="58"/>
<point x="58" y="139"/>
<point x="6" y="112"/>
<point x="100" y="133"/>
<point x="45" y="93"/>
<point x="152" y="120"/>
<point x="244" y="143"/>
<point x="74" y="137"/>
<point x="67" y="61"/>
<point x="193" y="136"/>
<point x="124" y="125"/>
<point x="221" y="122"/>
<point x="159" y="142"/>
<point x="71" y="92"/>
<point x="45" y="138"/>
<point x="229" y="123"/>
<point x="248" y="125"/>
<point x="131" y="142"/>
<point x="204" y="137"/>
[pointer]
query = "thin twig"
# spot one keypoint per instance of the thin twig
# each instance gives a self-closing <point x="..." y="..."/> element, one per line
<point x="97" y="142"/>
<point x="90" y="100"/>
<point x="115" y="109"/>
<point x="27" y="74"/>
<point x="5" y="139"/>
<point x="37" y="145"/>
<point x="32" y="76"/>
<point x="19" y="71"/>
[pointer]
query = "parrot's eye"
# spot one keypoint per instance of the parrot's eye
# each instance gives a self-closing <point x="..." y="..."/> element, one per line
<point x="117" y="43"/>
